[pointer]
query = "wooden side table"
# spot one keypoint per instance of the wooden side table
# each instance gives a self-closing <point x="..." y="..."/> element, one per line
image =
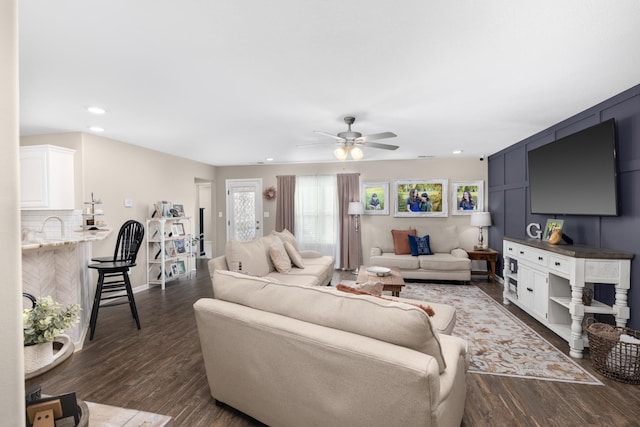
<point x="488" y="255"/>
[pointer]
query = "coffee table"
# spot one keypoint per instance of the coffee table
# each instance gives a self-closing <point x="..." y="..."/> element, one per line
<point x="393" y="282"/>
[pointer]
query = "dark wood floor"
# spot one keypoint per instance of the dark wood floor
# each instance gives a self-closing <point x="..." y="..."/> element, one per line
<point x="160" y="369"/>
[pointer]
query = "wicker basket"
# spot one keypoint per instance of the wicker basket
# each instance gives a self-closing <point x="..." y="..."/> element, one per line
<point x="611" y="357"/>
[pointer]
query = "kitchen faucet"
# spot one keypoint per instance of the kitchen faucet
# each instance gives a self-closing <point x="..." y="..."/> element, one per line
<point x="44" y="221"/>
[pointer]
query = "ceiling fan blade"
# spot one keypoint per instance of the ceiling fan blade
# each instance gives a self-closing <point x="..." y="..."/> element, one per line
<point x="378" y="145"/>
<point x="339" y="138"/>
<point x="376" y="136"/>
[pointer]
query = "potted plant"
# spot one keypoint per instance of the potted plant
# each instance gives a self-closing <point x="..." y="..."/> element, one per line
<point x="42" y="323"/>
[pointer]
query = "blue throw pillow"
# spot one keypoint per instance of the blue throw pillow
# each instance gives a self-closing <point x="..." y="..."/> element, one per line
<point x="419" y="245"/>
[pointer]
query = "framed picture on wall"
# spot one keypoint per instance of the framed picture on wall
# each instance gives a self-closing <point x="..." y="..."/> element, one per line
<point x="420" y="198"/>
<point x="375" y="197"/>
<point x="467" y="197"/>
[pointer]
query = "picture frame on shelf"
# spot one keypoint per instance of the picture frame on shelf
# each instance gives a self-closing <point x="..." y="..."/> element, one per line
<point x="179" y="210"/>
<point x="375" y="197"/>
<point x="179" y="246"/>
<point x="174" y="269"/>
<point x="435" y="204"/>
<point x="474" y="202"/>
<point x="182" y="269"/>
<point x="177" y="229"/>
<point x="550" y="227"/>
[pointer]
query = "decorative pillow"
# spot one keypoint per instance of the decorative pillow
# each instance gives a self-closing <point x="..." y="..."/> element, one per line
<point x="294" y="255"/>
<point x="279" y="256"/>
<point x="344" y="288"/>
<point x="420" y="245"/>
<point x="401" y="242"/>
<point x="286" y="236"/>
<point x="251" y="257"/>
<point x="370" y="286"/>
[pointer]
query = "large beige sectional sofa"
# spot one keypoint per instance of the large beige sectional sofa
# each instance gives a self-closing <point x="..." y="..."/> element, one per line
<point x="448" y="261"/>
<point x="295" y="355"/>
<point x="254" y="258"/>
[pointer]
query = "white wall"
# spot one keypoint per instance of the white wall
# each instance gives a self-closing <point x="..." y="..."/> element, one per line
<point x="453" y="169"/>
<point x="11" y="350"/>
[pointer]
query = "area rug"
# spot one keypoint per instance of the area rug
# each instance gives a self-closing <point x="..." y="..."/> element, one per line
<point x="499" y="342"/>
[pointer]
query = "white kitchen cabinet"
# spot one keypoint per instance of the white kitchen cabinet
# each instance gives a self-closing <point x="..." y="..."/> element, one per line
<point x="547" y="281"/>
<point x="46" y="177"/>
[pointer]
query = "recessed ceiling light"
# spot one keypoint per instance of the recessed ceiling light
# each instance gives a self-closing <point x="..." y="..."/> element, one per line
<point x="96" y="110"/>
<point x="96" y="129"/>
<point x="269" y="159"/>
<point x="457" y="151"/>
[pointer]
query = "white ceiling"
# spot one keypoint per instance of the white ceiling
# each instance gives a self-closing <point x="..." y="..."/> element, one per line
<point x="232" y="82"/>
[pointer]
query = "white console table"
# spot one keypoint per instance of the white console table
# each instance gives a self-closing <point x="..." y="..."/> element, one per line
<point x="547" y="281"/>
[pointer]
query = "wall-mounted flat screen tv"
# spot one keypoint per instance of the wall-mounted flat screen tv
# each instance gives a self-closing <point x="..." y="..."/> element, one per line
<point x="577" y="174"/>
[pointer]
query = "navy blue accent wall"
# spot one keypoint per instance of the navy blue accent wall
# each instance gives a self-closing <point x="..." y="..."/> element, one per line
<point x="509" y="198"/>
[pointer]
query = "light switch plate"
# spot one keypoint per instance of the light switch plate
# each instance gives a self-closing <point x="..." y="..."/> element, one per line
<point x="128" y="203"/>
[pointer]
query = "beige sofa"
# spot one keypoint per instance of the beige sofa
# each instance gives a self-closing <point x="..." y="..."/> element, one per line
<point x="448" y="262"/>
<point x="291" y="355"/>
<point x="254" y="258"/>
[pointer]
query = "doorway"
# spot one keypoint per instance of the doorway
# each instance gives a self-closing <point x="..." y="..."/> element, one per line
<point x="244" y="209"/>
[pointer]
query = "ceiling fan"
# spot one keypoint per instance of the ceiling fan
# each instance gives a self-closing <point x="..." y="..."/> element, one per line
<point x="350" y="141"/>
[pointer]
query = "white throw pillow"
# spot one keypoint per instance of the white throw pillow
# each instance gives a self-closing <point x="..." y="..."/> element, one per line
<point x="279" y="256"/>
<point x="294" y="255"/>
<point x="286" y="236"/>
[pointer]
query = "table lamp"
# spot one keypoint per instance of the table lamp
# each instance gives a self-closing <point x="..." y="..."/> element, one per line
<point x="480" y="220"/>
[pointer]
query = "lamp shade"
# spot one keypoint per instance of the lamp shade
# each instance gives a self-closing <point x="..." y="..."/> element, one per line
<point x="480" y="219"/>
<point x="340" y="153"/>
<point x="355" y="208"/>
<point x="356" y="153"/>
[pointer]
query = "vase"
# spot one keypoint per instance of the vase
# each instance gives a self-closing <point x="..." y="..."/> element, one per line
<point x="37" y="356"/>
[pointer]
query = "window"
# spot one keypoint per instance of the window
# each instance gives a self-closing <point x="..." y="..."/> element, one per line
<point x="316" y="207"/>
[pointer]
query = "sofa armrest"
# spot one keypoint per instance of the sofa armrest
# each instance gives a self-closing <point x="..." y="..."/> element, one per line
<point x="459" y="253"/>
<point x="310" y="254"/>
<point x="375" y="251"/>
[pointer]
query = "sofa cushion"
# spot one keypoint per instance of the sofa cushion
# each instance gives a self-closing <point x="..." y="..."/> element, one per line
<point x="279" y="256"/>
<point x="403" y="262"/>
<point x="250" y="257"/>
<point x="389" y="321"/>
<point x="294" y="255"/>
<point x="419" y="245"/>
<point x="444" y="262"/>
<point x="401" y="241"/>
<point x="443" y="239"/>
<point x="294" y="279"/>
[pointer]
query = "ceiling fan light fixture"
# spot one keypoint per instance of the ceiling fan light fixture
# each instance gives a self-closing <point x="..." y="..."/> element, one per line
<point x="356" y="153"/>
<point x="340" y="153"/>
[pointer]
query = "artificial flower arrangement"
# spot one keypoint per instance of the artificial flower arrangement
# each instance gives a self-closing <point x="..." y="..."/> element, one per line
<point x="47" y="319"/>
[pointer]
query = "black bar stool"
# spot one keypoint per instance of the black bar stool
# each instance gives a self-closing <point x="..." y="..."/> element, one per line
<point x="113" y="273"/>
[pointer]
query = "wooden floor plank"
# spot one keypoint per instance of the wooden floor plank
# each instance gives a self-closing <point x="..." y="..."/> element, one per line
<point x="159" y="369"/>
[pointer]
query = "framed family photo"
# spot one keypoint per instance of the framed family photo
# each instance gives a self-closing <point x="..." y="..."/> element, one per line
<point x="375" y="197"/>
<point x="467" y="197"/>
<point x="550" y="227"/>
<point x="177" y="229"/>
<point x="427" y="197"/>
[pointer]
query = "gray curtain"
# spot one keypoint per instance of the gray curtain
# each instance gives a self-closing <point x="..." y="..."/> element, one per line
<point x="350" y="243"/>
<point x="285" y="203"/>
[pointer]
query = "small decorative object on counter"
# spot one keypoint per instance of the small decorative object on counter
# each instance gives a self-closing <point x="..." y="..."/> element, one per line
<point x="587" y="296"/>
<point x="42" y="324"/>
